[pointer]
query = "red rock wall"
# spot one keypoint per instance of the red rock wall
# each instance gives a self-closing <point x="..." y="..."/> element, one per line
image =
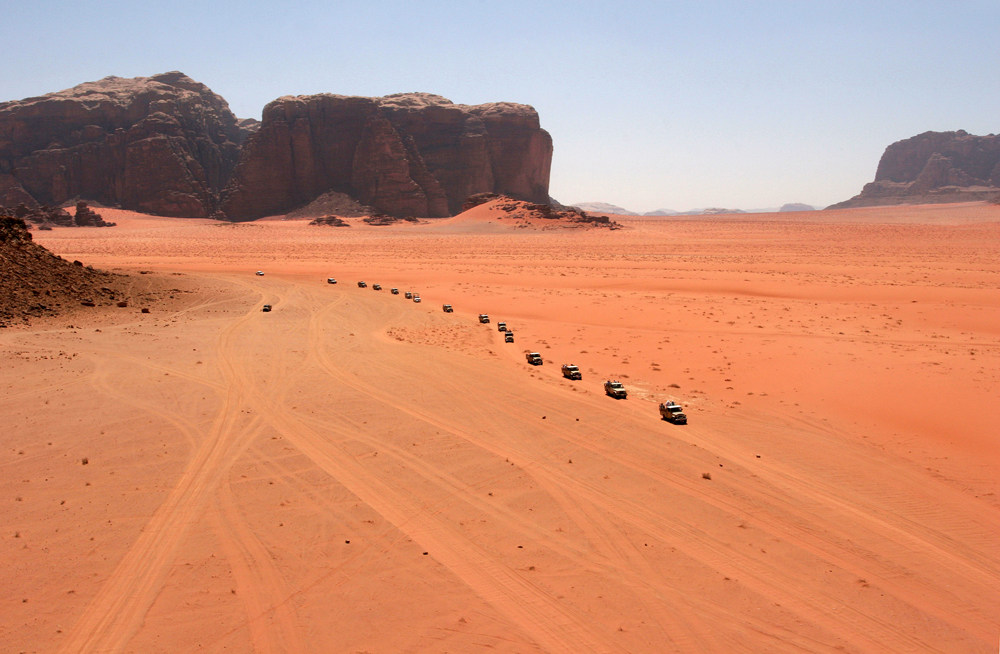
<point x="163" y="144"/>
<point x="168" y="145"/>
<point x="405" y="155"/>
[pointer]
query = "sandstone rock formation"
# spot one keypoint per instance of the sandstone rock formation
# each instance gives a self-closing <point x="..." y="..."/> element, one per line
<point x="163" y="145"/>
<point x="796" y="206"/>
<point x="934" y="167"/>
<point x="412" y="154"/>
<point x="168" y="145"/>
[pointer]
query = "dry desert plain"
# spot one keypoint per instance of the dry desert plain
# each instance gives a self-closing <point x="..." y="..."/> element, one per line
<point x="354" y="472"/>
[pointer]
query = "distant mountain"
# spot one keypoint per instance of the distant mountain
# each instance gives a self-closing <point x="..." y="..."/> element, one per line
<point x="797" y="206"/>
<point x="934" y="167"/>
<point x="603" y="207"/>
<point x="662" y="212"/>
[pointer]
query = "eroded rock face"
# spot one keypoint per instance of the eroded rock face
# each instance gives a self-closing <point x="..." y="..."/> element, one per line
<point x="934" y="167"/>
<point x="168" y="145"/>
<point x="413" y="154"/>
<point x="163" y="144"/>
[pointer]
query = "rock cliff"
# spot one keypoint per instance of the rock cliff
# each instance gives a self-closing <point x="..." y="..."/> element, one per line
<point x="168" y="145"/>
<point x="163" y="145"/>
<point x="413" y="154"/>
<point x="934" y="167"/>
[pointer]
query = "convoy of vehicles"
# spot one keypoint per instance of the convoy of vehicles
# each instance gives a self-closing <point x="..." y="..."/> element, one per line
<point x="669" y="410"/>
<point x="672" y="412"/>
<point x="615" y="389"/>
<point x="570" y="371"/>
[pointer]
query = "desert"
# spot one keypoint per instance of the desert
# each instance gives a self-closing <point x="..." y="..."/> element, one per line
<point x="354" y="472"/>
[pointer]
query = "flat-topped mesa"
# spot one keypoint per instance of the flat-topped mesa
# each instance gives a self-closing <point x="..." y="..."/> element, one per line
<point x="164" y="145"/>
<point x="934" y="167"/>
<point x="408" y="154"/>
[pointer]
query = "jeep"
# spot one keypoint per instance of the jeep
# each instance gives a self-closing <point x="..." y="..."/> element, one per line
<point x="260" y="273"/>
<point x="447" y="309"/>
<point x="484" y="318"/>
<point x="331" y="280"/>
<point x="409" y="296"/>
<point x="508" y="337"/>
<point x="362" y="285"/>
<point x="501" y="326"/>
<point x="570" y="371"/>
<point x="534" y="358"/>
<point x="416" y="298"/>
<point x="615" y="390"/>
<point x="672" y="412"/>
<point x="266" y="307"/>
<point x="394" y="291"/>
<point x="376" y="287"/>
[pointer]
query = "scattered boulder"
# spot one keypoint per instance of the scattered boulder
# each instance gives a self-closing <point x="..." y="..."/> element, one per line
<point x="330" y="221"/>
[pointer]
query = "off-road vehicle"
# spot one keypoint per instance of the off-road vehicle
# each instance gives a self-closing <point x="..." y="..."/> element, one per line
<point x="484" y="318"/>
<point x="266" y="307"/>
<point x="331" y="280"/>
<point x="409" y="296"/>
<point x="394" y="291"/>
<point x="508" y="337"/>
<point x="501" y="326"/>
<point x="416" y="298"/>
<point x="362" y="285"/>
<point x="376" y="287"/>
<point x="534" y="358"/>
<point x="260" y="273"/>
<point x="570" y="371"/>
<point x="447" y="309"/>
<point x="615" y="390"/>
<point x="672" y="412"/>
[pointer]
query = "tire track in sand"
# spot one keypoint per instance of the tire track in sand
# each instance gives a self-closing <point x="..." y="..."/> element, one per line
<point x="117" y="611"/>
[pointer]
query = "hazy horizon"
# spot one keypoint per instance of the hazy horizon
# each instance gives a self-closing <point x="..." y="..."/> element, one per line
<point x="650" y="105"/>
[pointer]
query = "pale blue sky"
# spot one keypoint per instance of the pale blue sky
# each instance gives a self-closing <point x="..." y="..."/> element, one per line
<point x="650" y="104"/>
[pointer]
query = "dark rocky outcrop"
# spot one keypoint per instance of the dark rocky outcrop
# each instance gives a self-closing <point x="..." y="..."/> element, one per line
<point x="162" y="145"/>
<point x="412" y="154"/>
<point x="329" y="221"/>
<point x="34" y="282"/>
<point x="532" y="214"/>
<point x="934" y="167"/>
<point x="46" y="217"/>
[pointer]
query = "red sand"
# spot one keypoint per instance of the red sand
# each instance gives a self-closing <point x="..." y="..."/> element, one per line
<point x="839" y="369"/>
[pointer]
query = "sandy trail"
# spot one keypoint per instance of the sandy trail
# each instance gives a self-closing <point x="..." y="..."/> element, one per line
<point x="356" y="472"/>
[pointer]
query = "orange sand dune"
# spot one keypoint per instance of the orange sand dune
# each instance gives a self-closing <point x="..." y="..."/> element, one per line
<point x="354" y="472"/>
